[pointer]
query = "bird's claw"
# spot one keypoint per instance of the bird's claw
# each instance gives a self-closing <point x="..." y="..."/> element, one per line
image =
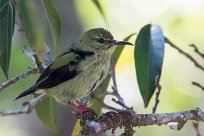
<point x="79" y="109"/>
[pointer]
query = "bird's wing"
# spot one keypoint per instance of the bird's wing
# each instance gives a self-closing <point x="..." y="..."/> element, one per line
<point x="63" y="68"/>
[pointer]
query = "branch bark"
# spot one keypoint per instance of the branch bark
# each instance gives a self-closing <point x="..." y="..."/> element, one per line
<point x="112" y="120"/>
<point x="157" y="94"/>
<point x="19" y="77"/>
<point x="198" y="85"/>
<point x="27" y="107"/>
<point x="184" y="53"/>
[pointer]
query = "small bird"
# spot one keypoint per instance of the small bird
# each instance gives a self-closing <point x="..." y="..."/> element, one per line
<point x="79" y="70"/>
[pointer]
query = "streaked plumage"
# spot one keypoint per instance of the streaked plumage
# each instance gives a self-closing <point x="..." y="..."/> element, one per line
<point x="78" y="71"/>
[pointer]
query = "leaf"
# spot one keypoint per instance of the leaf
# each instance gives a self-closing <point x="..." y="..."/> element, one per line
<point x="47" y="113"/>
<point x="104" y="85"/>
<point x="32" y="24"/>
<point x="149" y="54"/>
<point x="7" y="24"/>
<point x="53" y="19"/>
<point x="98" y="5"/>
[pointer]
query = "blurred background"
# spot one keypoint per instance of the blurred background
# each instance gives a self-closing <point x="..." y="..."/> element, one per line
<point x="182" y="22"/>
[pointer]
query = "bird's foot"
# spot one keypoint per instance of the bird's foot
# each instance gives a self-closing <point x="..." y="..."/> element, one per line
<point x="79" y="108"/>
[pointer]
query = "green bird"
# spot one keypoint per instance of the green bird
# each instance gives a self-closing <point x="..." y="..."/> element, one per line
<point x="79" y="70"/>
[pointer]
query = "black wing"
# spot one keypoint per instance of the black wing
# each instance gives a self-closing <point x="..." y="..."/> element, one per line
<point x="53" y="76"/>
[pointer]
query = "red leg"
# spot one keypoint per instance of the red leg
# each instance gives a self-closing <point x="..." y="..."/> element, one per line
<point x="79" y="108"/>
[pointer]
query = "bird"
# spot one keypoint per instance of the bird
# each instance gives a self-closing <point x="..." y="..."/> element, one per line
<point x="77" y="71"/>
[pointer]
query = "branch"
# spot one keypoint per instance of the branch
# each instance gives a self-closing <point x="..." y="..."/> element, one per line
<point x="104" y="105"/>
<point x="34" y="57"/>
<point x="197" y="50"/>
<point x="38" y="69"/>
<point x="112" y="120"/>
<point x="27" y="107"/>
<point x="157" y="94"/>
<point x="19" y="77"/>
<point x="198" y="85"/>
<point x="115" y="93"/>
<point x="184" y="53"/>
<point x="196" y="125"/>
<point x="38" y="62"/>
<point x="112" y="73"/>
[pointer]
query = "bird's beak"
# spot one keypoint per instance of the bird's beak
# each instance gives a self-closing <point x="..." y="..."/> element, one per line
<point x="116" y="42"/>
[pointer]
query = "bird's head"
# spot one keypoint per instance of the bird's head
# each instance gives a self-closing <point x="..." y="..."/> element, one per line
<point x="99" y="40"/>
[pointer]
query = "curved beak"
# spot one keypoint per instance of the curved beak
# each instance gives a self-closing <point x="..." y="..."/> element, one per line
<point x="115" y="42"/>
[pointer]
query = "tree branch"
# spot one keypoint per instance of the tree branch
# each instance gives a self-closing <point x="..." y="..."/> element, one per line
<point x="157" y="94"/>
<point x="38" y="69"/>
<point x="115" y="93"/>
<point x="27" y="107"/>
<point x="197" y="50"/>
<point x="19" y="77"/>
<point x="198" y="85"/>
<point x="112" y="120"/>
<point x="196" y="125"/>
<point x="93" y="96"/>
<point x="184" y="53"/>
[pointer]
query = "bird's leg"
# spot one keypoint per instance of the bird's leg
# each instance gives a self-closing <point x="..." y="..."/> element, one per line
<point x="79" y="108"/>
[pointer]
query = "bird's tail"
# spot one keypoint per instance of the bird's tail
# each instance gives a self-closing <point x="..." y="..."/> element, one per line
<point x="26" y="92"/>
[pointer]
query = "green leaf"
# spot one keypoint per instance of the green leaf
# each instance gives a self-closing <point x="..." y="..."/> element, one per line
<point x="149" y="54"/>
<point x="32" y="24"/>
<point x="98" y="5"/>
<point x="53" y="19"/>
<point x="7" y="24"/>
<point x="104" y="85"/>
<point x="47" y="113"/>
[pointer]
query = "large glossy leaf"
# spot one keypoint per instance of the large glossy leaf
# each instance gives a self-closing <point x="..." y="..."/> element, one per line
<point x="32" y="24"/>
<point x="104" y="85"/>
<point x="7" y="23"/>
<point x="149" y="53"/>
<point x="53" y="19"/>
<point x="47" y="112"/>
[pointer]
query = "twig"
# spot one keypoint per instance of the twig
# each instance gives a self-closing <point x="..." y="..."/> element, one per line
<point x="115" y="93"/>
<point x="112" y="73"/>
<point x="103" y="104"/>
<point x="34" y="57"/>
<point x="157" y="94"/>
<point x="27" y="107"/>
<point x="47" y="56"/>
<point x="21" y="76"/>
<point x="112" y="120"/>
<point x="184" y="53"/>
<point x="121" y="104"/>
<point x="198" y="85"/>
<point x="38" y="62"/>
<point x="196" y="125"/>
<point x="197" y="50"/>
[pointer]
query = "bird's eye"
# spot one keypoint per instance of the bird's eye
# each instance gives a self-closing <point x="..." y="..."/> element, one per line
<point x="100" y="40"/>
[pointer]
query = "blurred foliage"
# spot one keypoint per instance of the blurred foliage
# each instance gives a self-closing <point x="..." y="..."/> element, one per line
<point x="33" y="27"/>
<point x="46" y="111"/>
<point x="54" y="20"/>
